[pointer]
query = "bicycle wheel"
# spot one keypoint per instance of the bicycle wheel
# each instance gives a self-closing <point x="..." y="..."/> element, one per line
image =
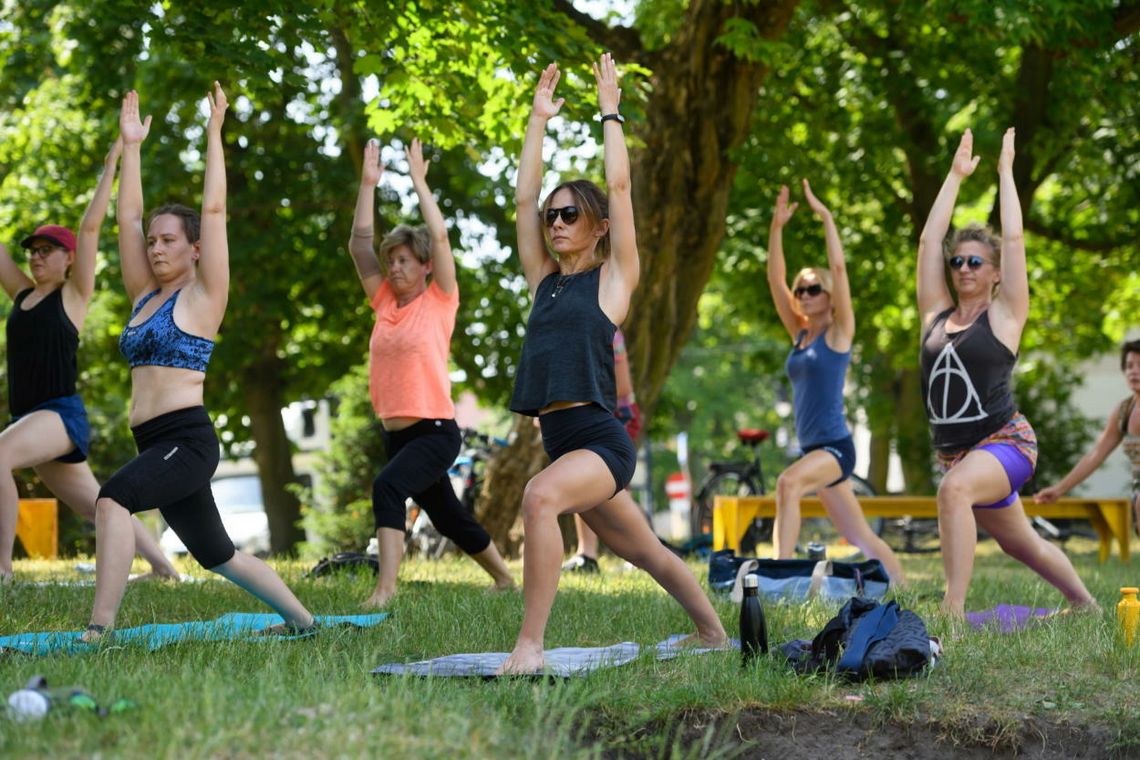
<point x="723" y="483"/>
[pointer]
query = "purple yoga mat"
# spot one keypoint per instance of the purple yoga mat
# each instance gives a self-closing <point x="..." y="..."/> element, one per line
<point x="1006" y="617"/>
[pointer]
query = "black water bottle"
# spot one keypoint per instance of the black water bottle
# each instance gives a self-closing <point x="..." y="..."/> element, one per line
<point x="753" y="630"/>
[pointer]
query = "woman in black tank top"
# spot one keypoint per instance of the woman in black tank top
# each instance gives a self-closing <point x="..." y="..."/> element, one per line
<point x="969" y="347"/>
<point x="579" y="255"/>
<point x="49" y="428"/>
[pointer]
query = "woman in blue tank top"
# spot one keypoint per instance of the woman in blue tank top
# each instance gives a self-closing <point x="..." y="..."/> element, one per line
<point x="817" y="313"/>
<point x="49" y="431"/>
<point x="984" y="446"/>
<point x="579" y="255"/>
<point x="177" y="275"/>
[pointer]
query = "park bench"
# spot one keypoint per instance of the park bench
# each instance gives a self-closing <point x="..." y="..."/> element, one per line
<point x="1110" y="517"/>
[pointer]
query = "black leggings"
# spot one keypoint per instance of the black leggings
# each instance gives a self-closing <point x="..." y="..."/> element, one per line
<point x="418" y="459"/>
<point x="178" y="453"/>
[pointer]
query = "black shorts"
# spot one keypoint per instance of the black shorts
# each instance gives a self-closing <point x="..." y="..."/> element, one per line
<point x="592" y="428"/>
<point x="844" y="452"/>
<point x="178" y="454"/>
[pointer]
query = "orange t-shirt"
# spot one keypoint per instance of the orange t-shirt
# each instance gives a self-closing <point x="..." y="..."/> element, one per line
<point x="408" y="375"/>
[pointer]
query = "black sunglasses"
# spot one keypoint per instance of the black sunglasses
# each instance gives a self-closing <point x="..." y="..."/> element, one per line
<point x="973" y="262"/>
<point x="569" y="215"/>
<point x="811" y="290"/>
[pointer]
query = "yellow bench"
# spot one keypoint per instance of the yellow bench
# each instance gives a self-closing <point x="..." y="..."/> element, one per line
<point x="1110" y="517"/>
<point x="37" y="527"/>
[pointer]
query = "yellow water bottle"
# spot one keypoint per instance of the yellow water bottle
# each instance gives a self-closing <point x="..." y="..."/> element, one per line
<point x="1128" y="613"/>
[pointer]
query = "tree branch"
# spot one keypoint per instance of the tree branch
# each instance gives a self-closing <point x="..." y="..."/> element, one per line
<point x="622" y="41"/>
<point x="1038" y="227"/>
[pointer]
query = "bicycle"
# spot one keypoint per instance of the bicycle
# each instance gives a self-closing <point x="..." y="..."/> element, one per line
<point x="746" y="478"/>
<point x="466" y="475"/>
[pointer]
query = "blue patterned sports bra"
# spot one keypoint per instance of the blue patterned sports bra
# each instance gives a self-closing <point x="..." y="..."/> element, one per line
<point x="159" y="342"/>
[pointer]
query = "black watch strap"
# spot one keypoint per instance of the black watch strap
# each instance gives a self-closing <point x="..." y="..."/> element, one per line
<point x="613" y="117"/>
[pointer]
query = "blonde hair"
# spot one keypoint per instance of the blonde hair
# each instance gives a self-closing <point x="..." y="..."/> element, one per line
<point x="822" y="276"/>
<point x="415" y="238"/>
<point x="977" y="233"/>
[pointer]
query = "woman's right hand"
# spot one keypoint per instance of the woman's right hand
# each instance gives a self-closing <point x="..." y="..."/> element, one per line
<point x="132" y="130"/>
<point x="1048" y="495"/>
<point x="964" y="159"/>
<point x="545" y="105"/>
<point x="783" y="211"/>
<point x="370" y="168"/>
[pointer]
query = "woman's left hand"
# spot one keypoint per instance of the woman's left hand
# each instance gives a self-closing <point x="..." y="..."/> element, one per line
<point x="815" y="203"/>
<point x="417" y="166"/>
<point x="218" y="105"/>
<point x="609" y="94"/>
<point x="1005" y="160"/>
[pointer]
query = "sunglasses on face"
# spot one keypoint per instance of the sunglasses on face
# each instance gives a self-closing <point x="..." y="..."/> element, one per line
<point x="41" y="250"/>
<point x="973" y="262"/>
<point x="569" y="215"/>
<point x="808" y="290"/>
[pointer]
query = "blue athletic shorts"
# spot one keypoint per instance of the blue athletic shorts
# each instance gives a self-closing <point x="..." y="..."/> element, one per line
<point x="844" y="452"/>
<point x="74" y="415"/>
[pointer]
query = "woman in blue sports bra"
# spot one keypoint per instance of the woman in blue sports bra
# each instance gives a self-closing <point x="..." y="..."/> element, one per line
<point x="817" y="313"/>
<point x="578" y="252"/>
<point x="177" y="276"/>
<point x="985" y="448"/>
<point x="49" y="431"/>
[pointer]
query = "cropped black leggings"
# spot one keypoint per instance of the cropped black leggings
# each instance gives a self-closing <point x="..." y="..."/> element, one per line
<point x="178" y="453"/>
<point x="418" y="459"/>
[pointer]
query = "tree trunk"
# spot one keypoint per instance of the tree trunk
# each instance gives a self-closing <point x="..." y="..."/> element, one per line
<point x="704" y="98"/>
<point x="913" y="433"/>
<point x="272" y="451"/>
<point x="506" y="477"/>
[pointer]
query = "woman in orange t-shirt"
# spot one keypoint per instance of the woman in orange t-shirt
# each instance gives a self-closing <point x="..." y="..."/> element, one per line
<point x="408" y="377"/>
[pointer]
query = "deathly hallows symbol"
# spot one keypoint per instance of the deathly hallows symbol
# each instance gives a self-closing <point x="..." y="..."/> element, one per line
<point x="947" y="372"/>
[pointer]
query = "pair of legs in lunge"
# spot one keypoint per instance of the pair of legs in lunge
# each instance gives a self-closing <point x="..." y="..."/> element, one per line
<point x="40" y="440"/>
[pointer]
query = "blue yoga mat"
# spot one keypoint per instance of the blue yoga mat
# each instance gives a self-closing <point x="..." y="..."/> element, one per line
<point x="232" y="625"/>
<point x="564" y="662"/>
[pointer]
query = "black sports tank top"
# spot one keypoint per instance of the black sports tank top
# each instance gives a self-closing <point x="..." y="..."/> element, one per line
<point x="568" y="354"/>
<point x="965" y="382"/>
<point x="42" y="343"/>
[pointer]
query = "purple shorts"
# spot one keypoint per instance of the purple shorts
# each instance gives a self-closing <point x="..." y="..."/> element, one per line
<point x="1014" y="445"/>
<point x="1017" y="469"/>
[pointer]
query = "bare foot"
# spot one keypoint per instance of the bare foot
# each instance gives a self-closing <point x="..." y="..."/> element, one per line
<point x="95" y="634"/>
<point x="526" y="660"/>
<point x="504" y="585"/>
<point x="157" y="575"/>
<point x="379" y="599"/>
<point x="6" y="579"/>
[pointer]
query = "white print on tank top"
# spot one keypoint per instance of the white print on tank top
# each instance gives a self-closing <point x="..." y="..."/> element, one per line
<point x="948" y="368"/>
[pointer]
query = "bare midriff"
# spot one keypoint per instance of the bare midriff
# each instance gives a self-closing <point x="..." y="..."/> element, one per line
<point x="558" y="405"/>
<point x="393" y="424"/>
<point x="157" y="390"/>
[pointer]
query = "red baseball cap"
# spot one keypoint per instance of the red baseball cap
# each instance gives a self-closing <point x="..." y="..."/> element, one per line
<point x="59" y="235"/>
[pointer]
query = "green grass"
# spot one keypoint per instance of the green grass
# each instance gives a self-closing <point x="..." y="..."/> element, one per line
<point x="316" y="698"/>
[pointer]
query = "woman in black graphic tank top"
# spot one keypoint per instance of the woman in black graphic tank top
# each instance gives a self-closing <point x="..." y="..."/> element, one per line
<point x="579" y="254"/>
<point x="985" y="447"/>
<point x="49" y="429"/>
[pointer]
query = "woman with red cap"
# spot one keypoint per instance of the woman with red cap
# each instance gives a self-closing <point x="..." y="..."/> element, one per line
<point x="49" y="430"/>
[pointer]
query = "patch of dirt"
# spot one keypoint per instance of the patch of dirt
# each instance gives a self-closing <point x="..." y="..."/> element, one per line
<point x="852" y="735"/>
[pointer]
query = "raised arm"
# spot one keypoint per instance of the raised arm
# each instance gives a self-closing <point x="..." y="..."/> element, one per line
<point x="536" y="260"/>
<point x="361" y="243"/>
<point x="138" y="278"/>
<point x="1109" y="439"/>
<point x="11" y="276"/>
<point x="1013" y="295"/>
<point x="933" y="294"/>
<point x="841" y="287"/>
<point x="624" y="266"/>
<point x="442" y="260"/>
<point x="81" y="283"/>
<point x="214" y="260"/>
<point x="778" y="268"/>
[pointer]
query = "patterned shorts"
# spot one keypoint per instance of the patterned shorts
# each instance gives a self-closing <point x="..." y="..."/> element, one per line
<point x="1017" y="433"/>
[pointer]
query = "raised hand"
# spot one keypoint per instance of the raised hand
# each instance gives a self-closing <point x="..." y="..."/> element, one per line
<point x="218" y="105"/>
<point x="132" y="130"/>
<point x="545" y="105"/>
<point x="609" y="94"/>
<point x="113" y="154"/>
<point x="964" y="159"/>
<point x="1005" y="160"/>
<point x="816" y="204"/>
<point x="370" y="168"/>
<point x="417" y="166"/>
<point x="783" y="211"/>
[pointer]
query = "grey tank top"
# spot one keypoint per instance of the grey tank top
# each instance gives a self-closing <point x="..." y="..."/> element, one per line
<point x="568" y="353"/>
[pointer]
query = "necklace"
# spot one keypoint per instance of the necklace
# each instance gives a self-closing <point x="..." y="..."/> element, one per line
<point x="560" y="283"/>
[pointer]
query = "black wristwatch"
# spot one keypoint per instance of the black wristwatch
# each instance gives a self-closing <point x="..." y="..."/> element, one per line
<point x="613" y="117"/>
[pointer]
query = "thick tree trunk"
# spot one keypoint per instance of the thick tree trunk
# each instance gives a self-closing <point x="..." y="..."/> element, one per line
<point x="704" y="97"/>
<point x="506" y="477"/>
<point x="272" y="451"/>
